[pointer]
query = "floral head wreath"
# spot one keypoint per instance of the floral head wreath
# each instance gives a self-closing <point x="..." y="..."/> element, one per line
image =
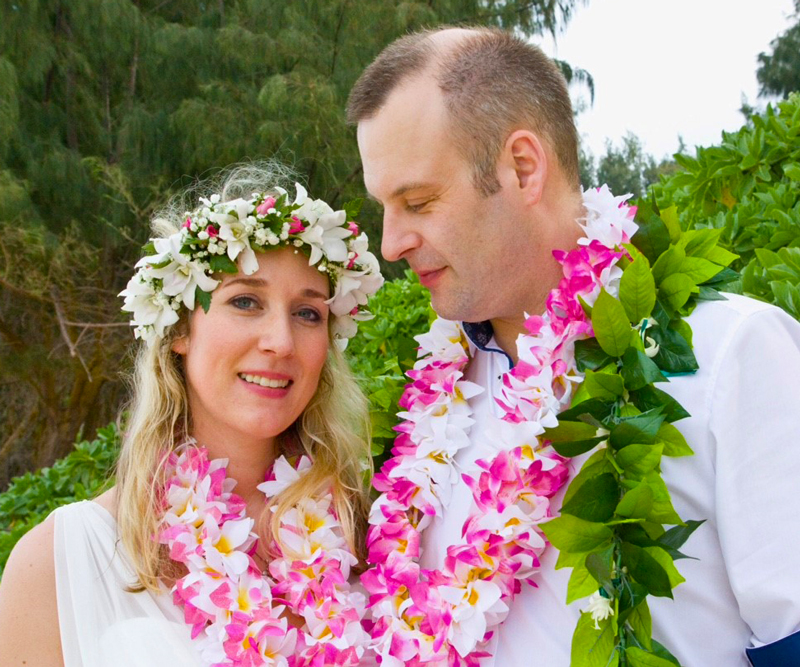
<point x="178" y="270"/>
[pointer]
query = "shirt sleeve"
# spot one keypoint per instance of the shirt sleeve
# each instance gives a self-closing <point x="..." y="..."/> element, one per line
<point x="755" y="423"/>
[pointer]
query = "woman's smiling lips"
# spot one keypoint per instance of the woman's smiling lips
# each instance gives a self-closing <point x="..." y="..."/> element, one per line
<point x="266" y="383"/>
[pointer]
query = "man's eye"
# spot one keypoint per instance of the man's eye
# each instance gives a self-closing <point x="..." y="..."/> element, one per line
<point x="244" y="302"/>
<point x="416" y="208"/>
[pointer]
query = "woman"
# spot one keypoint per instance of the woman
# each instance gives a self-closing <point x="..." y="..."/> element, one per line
<point x="244" y="389"/>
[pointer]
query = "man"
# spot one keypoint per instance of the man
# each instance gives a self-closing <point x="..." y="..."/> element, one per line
<point x="468" y="142"/>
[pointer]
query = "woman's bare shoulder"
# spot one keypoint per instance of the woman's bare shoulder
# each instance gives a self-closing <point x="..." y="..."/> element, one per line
<point x="29" y="631"/>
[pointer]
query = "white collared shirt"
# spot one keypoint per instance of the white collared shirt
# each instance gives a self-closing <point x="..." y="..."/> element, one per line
<point x="744" y="479"/>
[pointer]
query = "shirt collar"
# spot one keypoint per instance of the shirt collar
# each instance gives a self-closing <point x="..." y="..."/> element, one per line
<point x="481" y="334"/>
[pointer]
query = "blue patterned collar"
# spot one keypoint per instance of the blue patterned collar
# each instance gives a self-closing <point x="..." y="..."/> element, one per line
<point x="481" y="334"/>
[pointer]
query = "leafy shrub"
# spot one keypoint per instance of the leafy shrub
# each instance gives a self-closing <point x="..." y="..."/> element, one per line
<point x="82" y="474"/>
<point x="385" y="349"/>
<point x="749" y="187"/>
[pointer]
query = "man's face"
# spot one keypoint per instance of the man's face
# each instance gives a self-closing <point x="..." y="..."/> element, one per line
<point x="458" y="241"/>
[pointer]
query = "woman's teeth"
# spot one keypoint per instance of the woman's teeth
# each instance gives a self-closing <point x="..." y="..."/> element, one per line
<point x="264" y="382"/>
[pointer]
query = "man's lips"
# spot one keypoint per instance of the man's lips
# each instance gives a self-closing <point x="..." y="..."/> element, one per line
<point x="429" y="277"/>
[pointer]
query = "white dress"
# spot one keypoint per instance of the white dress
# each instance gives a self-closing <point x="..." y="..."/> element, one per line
<point x="101" y="623"/>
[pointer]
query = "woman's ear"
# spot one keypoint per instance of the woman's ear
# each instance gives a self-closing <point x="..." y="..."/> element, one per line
<point x="180" y="345"/>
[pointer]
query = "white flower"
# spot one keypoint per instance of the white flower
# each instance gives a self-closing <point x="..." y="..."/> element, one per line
<point x="182" y="275"/>
<point x="285" y="476"/>
<point x="475" y="606"/>
<point x="152" y="311"/>
<point x="446" y="340"/>
<point x="237" y="237"/>
<point x="325" y="234"/>
<point x="600" y="608"/>
<point x="607" y="218"/>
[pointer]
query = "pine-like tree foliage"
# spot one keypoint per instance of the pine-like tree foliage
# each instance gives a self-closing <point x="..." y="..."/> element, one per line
<point x="107" y="107"/>
<point x="779" y="71"/>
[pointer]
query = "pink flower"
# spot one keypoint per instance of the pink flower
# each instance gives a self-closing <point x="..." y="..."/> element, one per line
<point x="187" y="224"/>
<point x="297" y="226"/>
<point x="265" y="206"/>
<point x="212" y="232"/>
<point x="353" y="227"/>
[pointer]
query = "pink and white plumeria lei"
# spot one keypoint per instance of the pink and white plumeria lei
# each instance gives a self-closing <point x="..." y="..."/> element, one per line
<point x="236" y="612"/>
<point x="447" y="616"/>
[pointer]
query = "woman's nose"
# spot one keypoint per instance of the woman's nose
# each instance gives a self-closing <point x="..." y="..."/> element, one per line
<point x="277" y="336"/>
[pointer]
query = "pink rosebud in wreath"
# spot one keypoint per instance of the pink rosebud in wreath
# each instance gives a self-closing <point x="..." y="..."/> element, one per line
<point x="212" y="232"/>
<point x="353" y="227"/>
<point x="266" y="205"/>
<point x="188" y="223"/>
<point x="297" y="226"/>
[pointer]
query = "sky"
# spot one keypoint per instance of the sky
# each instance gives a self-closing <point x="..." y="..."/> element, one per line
<point x="668" y="67"/>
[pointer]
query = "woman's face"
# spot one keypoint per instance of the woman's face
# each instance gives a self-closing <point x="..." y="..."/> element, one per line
<point x="253" y="361"/>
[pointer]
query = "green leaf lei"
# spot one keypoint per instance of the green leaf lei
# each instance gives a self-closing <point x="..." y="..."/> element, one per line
<point x="611" y="530"/>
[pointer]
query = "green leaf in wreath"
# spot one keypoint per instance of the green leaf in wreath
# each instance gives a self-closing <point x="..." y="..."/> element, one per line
<point x="662" y="652"/>
<point x="638" y="370"/>
<point x="203" y="298"/>
<point x="668" y="264"/>
<point x="637" y="290"/>
<point x="641" y="429"/>
<point x="589" y="355"/>
<point x="569" y="533"/>
<point x="594" y="411"/>
<point x="675" y="353"/>
<point x="721" y="256"/>
<point x="641" y="624"/>
<point x="646" y="570"/>
<point x="662" y="511"/>
<point x="676" y="537"/>
<point x="648" y="398"/>
<point x="637" y="657"/>
<point x="577" y="447"/>
<point x="669" y="216"/>
<point x="595" y="500"/>
<point x="636" y="503"/>
<point x="608" y="386"/>
<point x="665" y="561"/>
<point x="224" y="264"/>
<point x="595" y="465"/>
<point x="674" y="441"/>
<point x="581" y="583"/>
<point x="639" y="460"/>
<point x="676" y="290"/>
<point x="652" y="237"/>
<point x="599" y="565"/>
<point x="610" y="323"/>
<point x="699" y="270"/>
<point x="567" y="431"/>
<point x="593" y="648"/>
<point x="353" y="208"/>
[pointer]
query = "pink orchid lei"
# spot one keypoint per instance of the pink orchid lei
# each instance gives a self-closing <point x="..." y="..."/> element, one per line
<point x="236" y="612"/>
<point x="447" y="616"/>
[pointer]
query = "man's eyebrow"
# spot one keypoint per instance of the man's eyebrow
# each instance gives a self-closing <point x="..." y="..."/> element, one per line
<point x="413" y="185"/>
<point x="260" y="282"/>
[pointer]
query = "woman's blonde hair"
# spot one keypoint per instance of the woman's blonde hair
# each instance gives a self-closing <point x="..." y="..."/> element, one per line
<point x="333" y="430"/>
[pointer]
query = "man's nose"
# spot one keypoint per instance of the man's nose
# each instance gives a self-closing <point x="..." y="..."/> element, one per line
<point x="399" y="238"/>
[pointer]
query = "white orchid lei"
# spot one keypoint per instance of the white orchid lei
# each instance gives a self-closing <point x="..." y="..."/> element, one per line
<point x="237" y="613"/>
<point x="178" y="271"/>
<point x="592" y="348"/>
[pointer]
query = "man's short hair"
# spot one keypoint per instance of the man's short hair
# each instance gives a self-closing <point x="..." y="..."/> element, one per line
<point x="493" y="83"/>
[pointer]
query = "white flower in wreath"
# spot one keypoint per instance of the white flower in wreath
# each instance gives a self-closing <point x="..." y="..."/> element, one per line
<point x="475" y="606"/>
<point x="152" y="310"/>
<point x="607" y="218"/>
<point x="326" y="237"/>
<point x="182" y="276"/>
<point x="236" y="235"/>
<point x="309" y="210"/>
<point x="600" y="608"/>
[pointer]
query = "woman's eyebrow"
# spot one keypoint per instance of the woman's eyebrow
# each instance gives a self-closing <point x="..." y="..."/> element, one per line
<point x="260" y="282"/>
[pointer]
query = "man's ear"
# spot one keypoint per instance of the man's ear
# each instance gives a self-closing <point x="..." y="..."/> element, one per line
<point x="526" y="155"/>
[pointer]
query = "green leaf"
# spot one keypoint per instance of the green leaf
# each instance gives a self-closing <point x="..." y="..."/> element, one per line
<point x="610" y="323"/>
<point x="675" y="353"/>
<point x="577" y="447"/>
<point x="721" y="256"/>
<point x="595" y="500"/>
<point x="662" y="652"/>
<point x="642" y="624"/>
<point x="669" y="263"/>
<point x="648" y="398"/>
<point x="203" y="298"/>
<point x="665" y="561"/>
<point x="604" y="385"/>
<point x="652" y="237"/>
<point x="638" y="370"/>
<point x="589" y="355"/>
<point x="676" y="290"/>
<point x="593" y="648"/>
<point x="673" y="440"/>
<point x="595" y="409"/>
<point x="581" y="583"/>
<point x="641" y="429"/>
<point x="663" y="511"/>
<point x="676" y="537"/>
<point x="699" y="270"/>
<point x="792" y="171"/>
<point x="569" y="533"/>
<point x="224" y="264"/>
<point x="637" y="290"/>
<point x="638" y="657"/>
<point x="599" y="566"/>
<point x="636" y="503"/>
<point x="670" y="218"/>
<point x="352" y="208"/>
<point x="646" y="570"/>
<point x="595" y="465"/>
<point x="567" y="431"/>
<point x="638" y="460"/>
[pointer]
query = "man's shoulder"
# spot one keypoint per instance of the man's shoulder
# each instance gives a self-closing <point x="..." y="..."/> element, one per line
<point x="716" y="319"/>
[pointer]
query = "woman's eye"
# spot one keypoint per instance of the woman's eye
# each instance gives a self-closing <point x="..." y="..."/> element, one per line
<point x="244" y="302"/>
<point x="309" y="314"/>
